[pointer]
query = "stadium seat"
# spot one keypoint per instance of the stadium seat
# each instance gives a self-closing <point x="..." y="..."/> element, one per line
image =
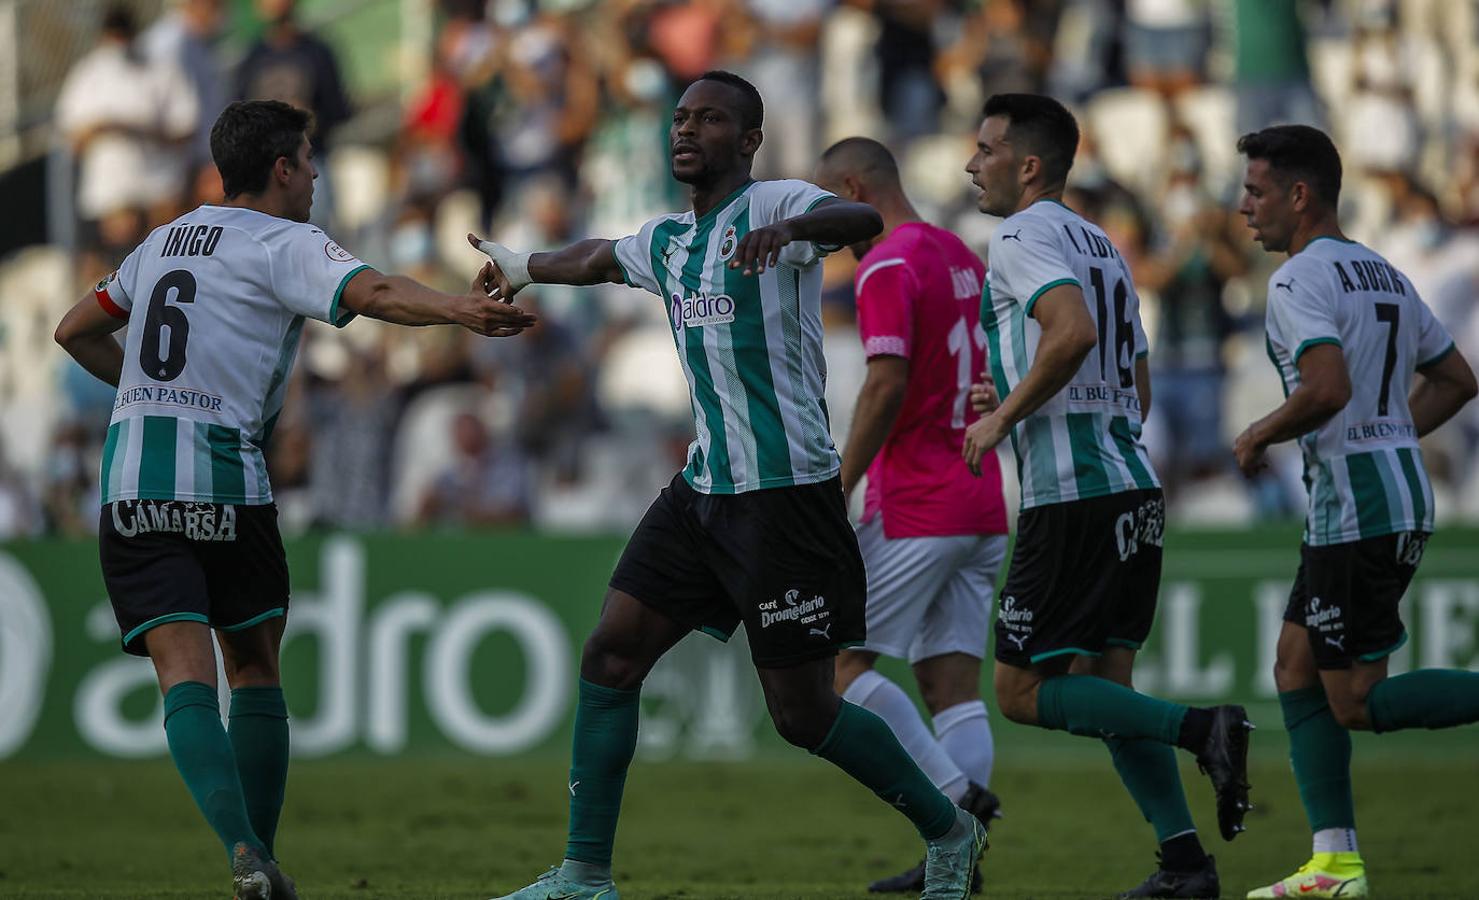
<point x="421" y="447"/>
<point x="361" y="185"/>
<point x="640" y="373"/>
<point x="1210" y="111"/>
<point x="38" y="285"/>
<point x="1130" y="129"/>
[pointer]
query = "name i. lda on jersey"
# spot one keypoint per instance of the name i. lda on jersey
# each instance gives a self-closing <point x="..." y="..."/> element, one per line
<point x="196" y="521"/>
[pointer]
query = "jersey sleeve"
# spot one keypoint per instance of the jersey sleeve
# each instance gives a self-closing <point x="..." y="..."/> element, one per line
<point x="634" y="256"/>
<point x="1299" y="315"/>
<point x="885" y="293"/>
<point x="1433" y="340"/>
<point x="1029" y="261"/>
<point x="777" y="201"/>
<point x="115" y="294"/>
<point x="309" y="272"/>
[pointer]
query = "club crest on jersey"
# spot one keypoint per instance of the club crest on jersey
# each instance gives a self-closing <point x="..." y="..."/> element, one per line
<point x="701" y="309"/>
<point x="726" y="248"/>
<point x="102" y="285"/>
<point x="337" y="253"/>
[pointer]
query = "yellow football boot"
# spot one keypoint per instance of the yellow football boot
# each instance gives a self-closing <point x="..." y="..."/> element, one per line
<point x="1325" y="875"/>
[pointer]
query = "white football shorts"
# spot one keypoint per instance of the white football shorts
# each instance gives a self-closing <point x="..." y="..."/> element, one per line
<point x="928" y="596"/>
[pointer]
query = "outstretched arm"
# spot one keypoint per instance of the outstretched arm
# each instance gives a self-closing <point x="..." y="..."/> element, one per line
<point x="405" y="301"/>
<point x="834" y="222"/>
<point x="590" y="261"/>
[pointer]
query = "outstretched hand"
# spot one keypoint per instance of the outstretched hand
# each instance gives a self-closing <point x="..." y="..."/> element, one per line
<point x="487" y="312"/>
<point x="761" y="248"/>
<point x="510" y="269"/>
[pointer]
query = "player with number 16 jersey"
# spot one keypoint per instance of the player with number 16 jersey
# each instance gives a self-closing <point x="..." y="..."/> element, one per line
<point x="1067" y="352"/>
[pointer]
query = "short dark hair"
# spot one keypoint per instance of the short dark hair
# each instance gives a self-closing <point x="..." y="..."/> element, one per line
<point x="752" y="109"/>
<point x="248" y="139"/>
<point x="1042" y="127"/>
<point x="1298" y="153"/>
<point x="118" y="18"/>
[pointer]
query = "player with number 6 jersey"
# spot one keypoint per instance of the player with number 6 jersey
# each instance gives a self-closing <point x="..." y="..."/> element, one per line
<point x="1367" y="371"/>
<point x="1067" y="353"/>
<point x="215" y="303"/>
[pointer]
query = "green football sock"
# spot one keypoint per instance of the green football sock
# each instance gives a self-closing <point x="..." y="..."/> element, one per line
<point x="1320" y="751"/>
<point x="605" y="739"/>
<point x="1148" y="769"/>
<point x="1427" y="698"/>
<point x="863" y="746"/>
<point x="202" y="753"/>
<point x="258" y="729"/>
<point x="1096" y="707"/>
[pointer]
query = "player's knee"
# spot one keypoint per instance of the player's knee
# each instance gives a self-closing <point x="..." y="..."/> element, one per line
<point x="1293" y="675"/>
<point x="940" y="694"/>
<point x="848" y="668"/>
<point x="1015" y="703"/>
<point x="803" y="728"/>
<point x="609" y="663"/>
<point x="254" y="672"/>
<point x="1351" y="713"/>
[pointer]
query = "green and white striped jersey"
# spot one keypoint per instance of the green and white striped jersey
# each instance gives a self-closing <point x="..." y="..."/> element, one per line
<point x="1363" y="468"/>
<point x="751" y="346"/>
<point x="1085" y="441"/>
<point x="215" y="303"/>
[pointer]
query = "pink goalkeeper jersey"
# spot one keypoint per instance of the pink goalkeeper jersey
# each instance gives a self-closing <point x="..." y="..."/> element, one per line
<point x="919" y="297"/>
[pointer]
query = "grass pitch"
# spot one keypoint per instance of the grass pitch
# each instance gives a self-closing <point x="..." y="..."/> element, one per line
<point x="780" y="828"/>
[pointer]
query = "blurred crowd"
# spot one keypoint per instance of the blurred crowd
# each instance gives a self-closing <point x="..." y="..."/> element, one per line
<point x="546" y="122"/>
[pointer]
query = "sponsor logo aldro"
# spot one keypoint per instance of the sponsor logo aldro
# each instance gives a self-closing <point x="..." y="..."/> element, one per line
<point x="791" y="608"/>
<point x="701" y="309"/>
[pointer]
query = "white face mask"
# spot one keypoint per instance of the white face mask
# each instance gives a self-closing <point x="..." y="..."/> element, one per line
<point x="645" y="80"/>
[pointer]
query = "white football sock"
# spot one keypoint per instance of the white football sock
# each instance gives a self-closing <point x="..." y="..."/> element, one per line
<point x="888" y="701"/>
<point x="965" y="733"/>
<point x="1336" y="840"/>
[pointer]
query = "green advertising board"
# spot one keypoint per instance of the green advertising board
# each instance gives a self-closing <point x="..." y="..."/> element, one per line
<point x="470" y="643"/>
